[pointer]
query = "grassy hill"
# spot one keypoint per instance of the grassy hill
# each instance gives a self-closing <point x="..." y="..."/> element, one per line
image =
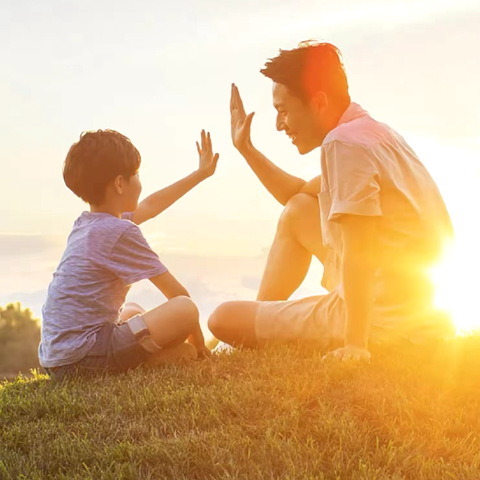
<point x="279" y="413"/>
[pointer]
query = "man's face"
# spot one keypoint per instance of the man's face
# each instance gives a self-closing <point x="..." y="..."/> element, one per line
<point x="300" y="121"/>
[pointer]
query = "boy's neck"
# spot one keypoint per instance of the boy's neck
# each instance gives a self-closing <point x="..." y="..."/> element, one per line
<point x="105" y="208"/>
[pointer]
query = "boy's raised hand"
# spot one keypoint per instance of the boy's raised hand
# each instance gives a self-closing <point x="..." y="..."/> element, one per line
<point x="207" y="160"/>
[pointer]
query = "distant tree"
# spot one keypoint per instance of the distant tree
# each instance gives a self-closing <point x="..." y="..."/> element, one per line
<point x="19" y="339"/>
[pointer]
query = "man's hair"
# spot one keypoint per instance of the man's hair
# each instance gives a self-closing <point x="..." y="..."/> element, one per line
<point x="310" y="68"/>
<point x="97" y="159"/>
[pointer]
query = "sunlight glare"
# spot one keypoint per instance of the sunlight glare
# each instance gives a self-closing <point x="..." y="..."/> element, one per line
<point x="454" y="288"/>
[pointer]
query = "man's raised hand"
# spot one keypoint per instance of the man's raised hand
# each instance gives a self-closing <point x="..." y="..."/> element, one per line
<point x="207" y="160"/>
<point x="240" y="121"/>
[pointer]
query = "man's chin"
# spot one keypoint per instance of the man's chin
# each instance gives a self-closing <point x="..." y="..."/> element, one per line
<point x="304" y="149"/>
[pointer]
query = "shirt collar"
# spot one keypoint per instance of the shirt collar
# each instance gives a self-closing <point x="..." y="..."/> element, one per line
<point x="353" y="112"/>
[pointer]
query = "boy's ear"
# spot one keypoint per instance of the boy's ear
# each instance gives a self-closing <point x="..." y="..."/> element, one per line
<point x="118" y="184"/>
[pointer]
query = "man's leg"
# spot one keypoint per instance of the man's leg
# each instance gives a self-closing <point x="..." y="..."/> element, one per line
<point x="298" y="237"/>
<point x="234" y="323"/>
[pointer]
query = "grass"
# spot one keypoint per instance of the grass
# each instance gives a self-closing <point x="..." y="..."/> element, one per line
<point x="278" y="413"/>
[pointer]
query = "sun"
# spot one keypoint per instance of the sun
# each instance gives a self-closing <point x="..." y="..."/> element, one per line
<point x="456" y="286"/>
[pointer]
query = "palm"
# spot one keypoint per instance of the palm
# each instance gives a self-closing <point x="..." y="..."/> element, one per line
<point x="207" y="160"/>
<point x="240" y="121"/>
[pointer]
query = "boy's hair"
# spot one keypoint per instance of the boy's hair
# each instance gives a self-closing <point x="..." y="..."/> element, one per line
<point x="310" y="68"/>
<point x="97" y="159"/>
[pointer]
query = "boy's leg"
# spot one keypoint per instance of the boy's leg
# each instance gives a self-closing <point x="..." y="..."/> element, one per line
<point x="298" y="237"/>
<point x="171" y="324"/>
<point x="130" y="310"/>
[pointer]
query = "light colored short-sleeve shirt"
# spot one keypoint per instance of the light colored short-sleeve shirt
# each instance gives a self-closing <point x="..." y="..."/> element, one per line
<point x="368" y="169"/>
<point x="104" y="256"/>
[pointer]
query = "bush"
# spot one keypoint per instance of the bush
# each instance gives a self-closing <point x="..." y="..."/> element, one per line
<point x="19" y="339"/>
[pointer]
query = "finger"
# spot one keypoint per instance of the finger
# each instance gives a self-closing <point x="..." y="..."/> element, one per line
<point x="232" y="98"/>
<point x="199" y="150"/>
<point x="216" y="157"/>
<point x="204" y="141"/>
<point x="239" y="102"/>
<point x="209" y="142"/>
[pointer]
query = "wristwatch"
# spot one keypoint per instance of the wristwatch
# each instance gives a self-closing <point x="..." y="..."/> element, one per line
<point x="142" y="334"/>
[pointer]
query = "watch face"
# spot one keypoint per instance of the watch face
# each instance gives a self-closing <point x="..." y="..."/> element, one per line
<point x="137" y="325"/>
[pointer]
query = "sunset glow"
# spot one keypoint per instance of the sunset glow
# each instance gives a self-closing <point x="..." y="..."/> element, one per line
<point x="454" y="285"/>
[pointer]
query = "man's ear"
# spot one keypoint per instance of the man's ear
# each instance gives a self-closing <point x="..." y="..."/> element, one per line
<point x="319" y="102"/>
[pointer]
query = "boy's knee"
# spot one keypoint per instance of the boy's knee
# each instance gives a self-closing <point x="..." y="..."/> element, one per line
<point x="134" y="306"/>
<point x="187" y="309"/>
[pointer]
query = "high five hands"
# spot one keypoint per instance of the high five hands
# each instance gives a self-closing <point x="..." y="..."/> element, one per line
<point x="207" y="160"/>
<point x="240" y="121"/>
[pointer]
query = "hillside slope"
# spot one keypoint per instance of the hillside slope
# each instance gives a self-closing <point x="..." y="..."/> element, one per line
<point x="278" y="413"/>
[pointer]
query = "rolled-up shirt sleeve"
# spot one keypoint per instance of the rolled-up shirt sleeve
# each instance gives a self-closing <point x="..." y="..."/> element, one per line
<point x="132" y="259"/>
<point x="351" y="180"/>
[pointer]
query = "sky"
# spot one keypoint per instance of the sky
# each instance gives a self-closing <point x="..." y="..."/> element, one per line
<point x="160" y="72"/>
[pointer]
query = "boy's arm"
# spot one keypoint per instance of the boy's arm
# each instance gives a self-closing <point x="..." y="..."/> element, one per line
<point x="171" y="288"/>
<point x="358" y="269"/>
<point x="161" y="200"/>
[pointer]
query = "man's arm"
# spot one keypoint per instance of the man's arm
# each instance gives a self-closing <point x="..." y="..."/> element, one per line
<point x="171" y="288"/>
<point x="358" y="269"/>
<point x="312" y="187"/>
<point x="161" y="200"/>
<point x="279" y="183"/>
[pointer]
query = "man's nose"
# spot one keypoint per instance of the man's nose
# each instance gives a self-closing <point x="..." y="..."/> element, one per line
<point x="280" y="124"/>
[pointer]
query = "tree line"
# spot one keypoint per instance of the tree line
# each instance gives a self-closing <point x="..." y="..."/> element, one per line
<point x="19" y="340"/>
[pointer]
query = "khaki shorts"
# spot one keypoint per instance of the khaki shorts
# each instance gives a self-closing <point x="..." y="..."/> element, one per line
<point x="321" y="320"/>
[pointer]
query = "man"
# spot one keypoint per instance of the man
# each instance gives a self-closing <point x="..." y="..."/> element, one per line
<point x="375" y="219"/>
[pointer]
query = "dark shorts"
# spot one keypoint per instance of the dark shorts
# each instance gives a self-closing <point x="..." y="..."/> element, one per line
<point x="115" y="350"/>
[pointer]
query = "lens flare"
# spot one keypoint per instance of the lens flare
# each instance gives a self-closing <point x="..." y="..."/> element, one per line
<point x="455" y="291"/>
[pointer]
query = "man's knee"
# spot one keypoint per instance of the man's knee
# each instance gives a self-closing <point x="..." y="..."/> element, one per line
<point x="218" y="321"/>
<point x="299" y="206"/>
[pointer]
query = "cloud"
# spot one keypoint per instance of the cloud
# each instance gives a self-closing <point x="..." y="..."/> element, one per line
<point x="252" y="282"/>
<point x="19" y="245"/>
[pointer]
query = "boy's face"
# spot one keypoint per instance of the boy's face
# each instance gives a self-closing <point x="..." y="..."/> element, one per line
<point x="300" y="121"/>
<point x="131" y="190"/>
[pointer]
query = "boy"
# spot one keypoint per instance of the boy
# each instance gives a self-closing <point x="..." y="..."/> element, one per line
<point x="86" y="326"/>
